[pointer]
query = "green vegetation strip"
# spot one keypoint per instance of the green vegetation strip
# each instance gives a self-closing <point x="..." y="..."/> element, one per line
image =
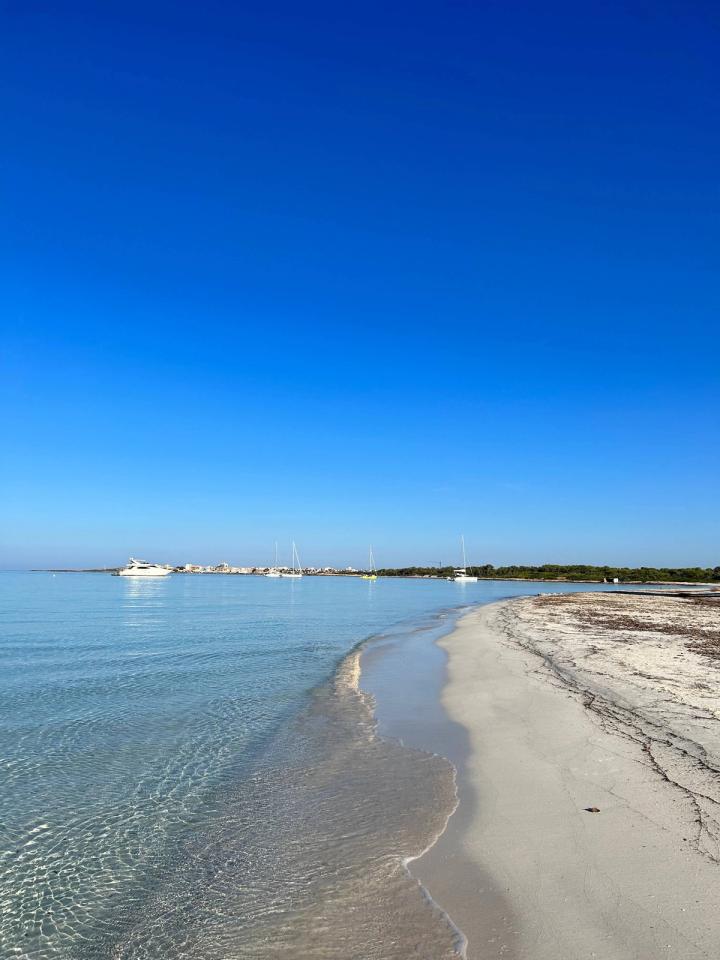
<point x="553" y="571"/>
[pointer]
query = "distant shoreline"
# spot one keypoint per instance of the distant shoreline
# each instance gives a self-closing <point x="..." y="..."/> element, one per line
<point x="261" y="571"/>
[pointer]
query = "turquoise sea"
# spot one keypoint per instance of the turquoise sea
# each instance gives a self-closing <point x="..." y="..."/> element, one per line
<point x="188" y="772"/>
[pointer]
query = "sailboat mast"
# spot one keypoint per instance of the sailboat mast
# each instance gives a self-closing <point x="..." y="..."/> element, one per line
<point x="462" y="539"/>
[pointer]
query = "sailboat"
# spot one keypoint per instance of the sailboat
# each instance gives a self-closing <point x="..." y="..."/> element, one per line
<point x="274" y="571"/>
<point x="296" y="571"/>
<point x="372" y="575"/>
<point x="460" y="574"/>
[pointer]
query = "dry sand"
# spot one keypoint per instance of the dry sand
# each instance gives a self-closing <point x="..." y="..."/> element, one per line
<point x="604" y="701"/>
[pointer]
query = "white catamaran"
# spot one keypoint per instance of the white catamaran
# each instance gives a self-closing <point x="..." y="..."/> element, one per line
<point x="460" y="574"/>
<point x="296" y="571"/>
<point x="140" y="568"/>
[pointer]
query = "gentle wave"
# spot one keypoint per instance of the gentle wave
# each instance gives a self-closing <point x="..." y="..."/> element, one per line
<point x="308" y="856"/>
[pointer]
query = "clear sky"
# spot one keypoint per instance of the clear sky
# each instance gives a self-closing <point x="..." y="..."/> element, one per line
<point x="360" y="273"/>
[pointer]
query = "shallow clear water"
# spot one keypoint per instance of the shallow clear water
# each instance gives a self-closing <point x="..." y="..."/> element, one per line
<point x="186" y="773"/>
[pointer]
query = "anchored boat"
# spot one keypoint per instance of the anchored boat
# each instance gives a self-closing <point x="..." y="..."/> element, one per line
<point x="274" y="571"/>
<point x="460" y="574"/>
<point x="372" y="575"/>
<point x="296" y="571"/>
<point x="141" y="568"/>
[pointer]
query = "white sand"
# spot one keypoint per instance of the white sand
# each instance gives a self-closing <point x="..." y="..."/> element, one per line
<point x="569" y="705"/>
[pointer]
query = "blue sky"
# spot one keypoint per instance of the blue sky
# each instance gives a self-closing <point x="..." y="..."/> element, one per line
<point x="349" y="274"/>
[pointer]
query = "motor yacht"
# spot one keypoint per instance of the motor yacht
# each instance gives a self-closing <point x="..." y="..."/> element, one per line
<point x="141" y="568"/>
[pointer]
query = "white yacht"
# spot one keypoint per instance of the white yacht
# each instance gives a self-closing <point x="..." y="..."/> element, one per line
<point x="296" y="571"/>
<point x="140" y="568"/>
<point x="460" y="574"/>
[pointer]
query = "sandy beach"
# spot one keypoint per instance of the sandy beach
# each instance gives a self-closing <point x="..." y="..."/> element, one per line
<point x="589" y="791"/>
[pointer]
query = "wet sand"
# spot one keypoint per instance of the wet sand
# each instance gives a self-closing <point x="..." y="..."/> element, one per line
<point x="568" y="704"/>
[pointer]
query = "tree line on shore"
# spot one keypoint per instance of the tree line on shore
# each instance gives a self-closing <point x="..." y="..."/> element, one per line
<point x="579" y="572"/>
